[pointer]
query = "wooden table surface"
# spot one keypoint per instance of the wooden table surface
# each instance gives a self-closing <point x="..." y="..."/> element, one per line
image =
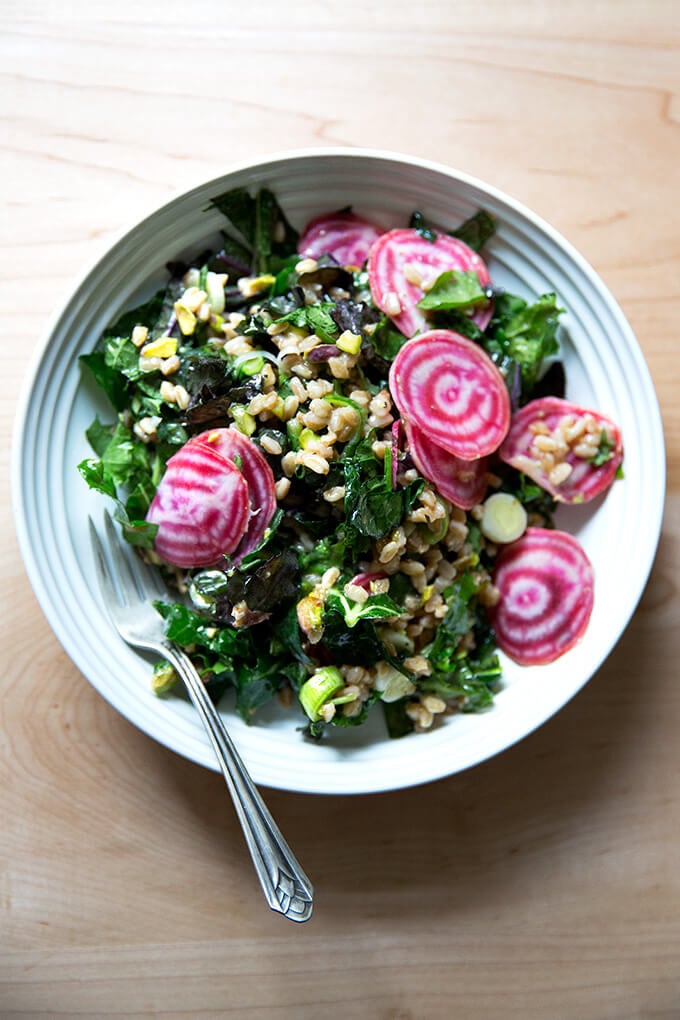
<point x="544" y="883"/>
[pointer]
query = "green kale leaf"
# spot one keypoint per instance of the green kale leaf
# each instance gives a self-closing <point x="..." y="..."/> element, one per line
<point x="108" y="378"/>
<point x="455" y="625"/>
<point x="525" y="335"/>
<point x="316" y="318"/>
<point x="420" y="225"/>
<point x="454" y="290"/>
<point x="259" y="220"/>
<point x="476" y="230"/>
<point x="376" y="607"/>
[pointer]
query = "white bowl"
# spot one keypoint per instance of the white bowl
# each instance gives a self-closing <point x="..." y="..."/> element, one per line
<point x="605" y="370"/>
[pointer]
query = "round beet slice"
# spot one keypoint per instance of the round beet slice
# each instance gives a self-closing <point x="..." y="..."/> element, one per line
<point x="201" y="508"/>
<point x="571" y="452"/>
<point x="450" y="389"/>
<point x="462" y="482"/>
<point x="402" y="260"/>
<point x="545" y="582"/>
<point x="344" y="235"/>
<point x="238" y="449"/>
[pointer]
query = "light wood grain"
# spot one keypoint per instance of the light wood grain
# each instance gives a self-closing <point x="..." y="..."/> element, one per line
<point x="541" y="884"/>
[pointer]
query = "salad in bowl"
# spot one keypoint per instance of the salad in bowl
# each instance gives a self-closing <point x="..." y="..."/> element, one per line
<point x="343" y="446"/>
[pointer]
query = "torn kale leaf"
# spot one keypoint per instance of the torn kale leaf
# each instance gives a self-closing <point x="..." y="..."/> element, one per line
<point x="376" y="607"/>
<point x="454" y="290"/>
<point x="419" y="224"/>
<point x="372" y="507"/>
<point x="262" y="226"/>
<point x="266" y="585"/>
<point x="476" y="230"/>
<point x="524" y="334"/>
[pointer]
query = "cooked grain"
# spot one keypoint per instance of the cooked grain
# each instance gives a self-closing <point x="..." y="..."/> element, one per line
<point x="271" y="445"/>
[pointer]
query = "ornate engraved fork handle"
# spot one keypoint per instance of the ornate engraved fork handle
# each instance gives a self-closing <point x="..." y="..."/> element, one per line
<point x="285" y="885"/>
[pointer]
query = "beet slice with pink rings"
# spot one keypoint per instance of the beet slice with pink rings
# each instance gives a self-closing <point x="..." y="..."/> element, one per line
<point x="462" y="482"/>
<point x="234" y="447"/>
<point x="571" y="452"/>
<point x="545" y="582"/>
<point x="201" y="508"/>
<point x="344" y="235"/>
<point x="400" y="261"/>
<point x="450" y="389"/>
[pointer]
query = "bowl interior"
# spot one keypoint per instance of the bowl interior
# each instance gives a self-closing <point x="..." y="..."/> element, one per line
<point x="605" y="370"/>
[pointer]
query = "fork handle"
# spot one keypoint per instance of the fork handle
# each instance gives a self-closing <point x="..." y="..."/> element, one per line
<point x="284" y="883"/>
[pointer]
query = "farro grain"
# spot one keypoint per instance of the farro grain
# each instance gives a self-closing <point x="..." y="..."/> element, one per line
<point x="268" y="377"/>
<point x="277" y="327"/>
<point x="434" y="704"/>
<point x="150" y="364"/>
<point x="421" y="717"/>
<point x="238" y="345"/>
<point x="145" y="428"/>
<point x="139" y="335"/>
<point x="282" y="488"/>
<point x="545" y="443"/>
<point x="288" y="463"/>
<point x="271" y="445"/>
<point x="388" y="552"/>
<point x="412" y="568"/>
<point x="262" y="402"/>
<point x="170" y="365"/>
<point x="313" y="461"/>
<point x="290" y="407"/>
<point x="334" y="494"/>
<point x="320" y="448"/>
<point x="413" y="274"/>
<point x="298" y="389"/>
<point x="308" y="343"/>
<point x="573" y="430"/>
<point x="361" y="397"/>
<point x="327" y="712"/>
<point x="329" y="577"/>
<point x="392" y="305"/>
<point x="352" y="709"/>
<point x="488" y="594"/>
<point x="303" y="370"/>
<point x="193" y="298"/>
<point x="307" y="265"/>
<point x="318" y="415"/>
<point x="455" y="536"/>
<point x="182" y="398"/>
<point x="560" y="473"/>
<point x="418" y="664"/>
<point x="341" y="366"/>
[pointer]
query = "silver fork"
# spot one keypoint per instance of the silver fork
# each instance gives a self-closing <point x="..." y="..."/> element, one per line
<point x="128" y="586"/>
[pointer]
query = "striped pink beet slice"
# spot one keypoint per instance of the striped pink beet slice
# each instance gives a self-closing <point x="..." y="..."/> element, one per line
<point x="201" y="508"/>
<point x="403" y="253"/>
<point x="450" y="389"/>
<point x="545" y="582"/>
<point x="233" y="446"/>
<point x="585" y="480"/>
<point x="344" y="235"/>
<point x="462" y="482"/>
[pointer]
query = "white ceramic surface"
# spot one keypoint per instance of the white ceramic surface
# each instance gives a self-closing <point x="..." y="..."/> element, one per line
<point x="605" y="369"/>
